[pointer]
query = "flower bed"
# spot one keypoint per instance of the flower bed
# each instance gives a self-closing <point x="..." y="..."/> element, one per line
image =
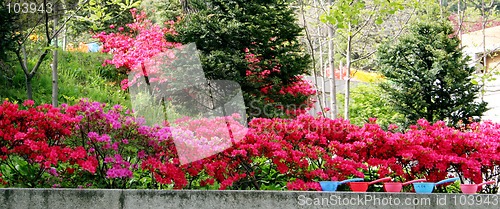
<point x="93" y="145"/>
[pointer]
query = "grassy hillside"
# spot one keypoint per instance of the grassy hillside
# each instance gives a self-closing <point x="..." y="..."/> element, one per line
<point x="80" y="75"/>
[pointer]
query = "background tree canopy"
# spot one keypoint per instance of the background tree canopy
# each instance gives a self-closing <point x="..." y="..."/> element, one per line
<point x="227" y="31"/>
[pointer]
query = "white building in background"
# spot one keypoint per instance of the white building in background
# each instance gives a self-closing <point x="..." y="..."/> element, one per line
<point x="473" y="46"/>
<point x="492" y="96"/>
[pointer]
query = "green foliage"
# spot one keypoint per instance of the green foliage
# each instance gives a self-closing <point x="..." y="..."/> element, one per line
<point x="13" y="86"/>
<point x="369" y="101"/>
<point x="144" y="103"/>
<point x="347" y="13"/>
<point x="7" y="37"/>
<point x="80" y="75"/>
<point x="161" y="11"/>
<point x="98" y="15"/>
<point x="428" y="77"/>
<point x="224" y="29"/>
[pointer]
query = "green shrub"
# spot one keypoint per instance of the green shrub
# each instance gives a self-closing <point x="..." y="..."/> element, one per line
<point x="368" y="101"/>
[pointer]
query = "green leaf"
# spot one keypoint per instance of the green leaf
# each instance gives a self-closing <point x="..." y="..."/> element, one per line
<point x="93" y="17"/>
<point x="135" y="4"/>
<point x="48" y="48"/>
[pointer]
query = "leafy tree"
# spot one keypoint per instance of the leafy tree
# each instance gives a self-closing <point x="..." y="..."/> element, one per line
<point x="254" y="43"/>
<point x="161" y="11"/>
<point x="428" y="77"/>
<point x="35" y="34"/>
<point x="99" y="14"/>
<point x="354" y="19"/>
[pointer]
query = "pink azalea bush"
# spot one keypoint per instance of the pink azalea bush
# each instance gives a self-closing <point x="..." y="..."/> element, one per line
<point x="116" y="140"/>
<point x="134" y="49"/>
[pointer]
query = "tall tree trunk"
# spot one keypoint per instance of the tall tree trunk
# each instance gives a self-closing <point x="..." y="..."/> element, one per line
<point x="460" y="22"/>
<point x="55" y="86"/>
<point x="64" y="38"/>
<point x="313" y="54"/>
<point x="186" y="8"/>
<point x="27" y="76"/>
<point x="348" y="74"/>
<point x="441" y="9"/>
<point x="485" y="55"/>
<point x="333" y="88"/>
<point x="29" y="89"/>
<point x="322" y="73"/>
<point x="321" y="62"/>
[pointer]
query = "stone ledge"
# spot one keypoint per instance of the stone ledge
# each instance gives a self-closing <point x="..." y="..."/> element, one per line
<point x="201" y="199"/>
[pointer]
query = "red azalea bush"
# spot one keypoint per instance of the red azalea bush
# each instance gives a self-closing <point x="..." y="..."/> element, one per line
<point x="32" y="142"/>
<point x="294" y="89"/>
<point x="94" y="145"/>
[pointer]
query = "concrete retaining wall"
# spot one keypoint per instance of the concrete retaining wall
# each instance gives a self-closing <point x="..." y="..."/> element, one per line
<point x="134" y="199"/>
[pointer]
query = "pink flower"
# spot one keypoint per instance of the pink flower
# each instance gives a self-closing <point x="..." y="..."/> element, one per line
<point x="120" y="28"/>
<point x="112" y="26"/>
<point x="141" y="154"/>
<point x="115" y="146"/>
<point x="28" y="103"/>
<point x="19" y="136"/>
<point x="108" y="160"/>
<point x="53" y="171"/>
<point x="92" y="135"/>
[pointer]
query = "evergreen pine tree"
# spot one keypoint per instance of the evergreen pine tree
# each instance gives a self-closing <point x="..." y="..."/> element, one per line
<point x="428" y="76"/>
